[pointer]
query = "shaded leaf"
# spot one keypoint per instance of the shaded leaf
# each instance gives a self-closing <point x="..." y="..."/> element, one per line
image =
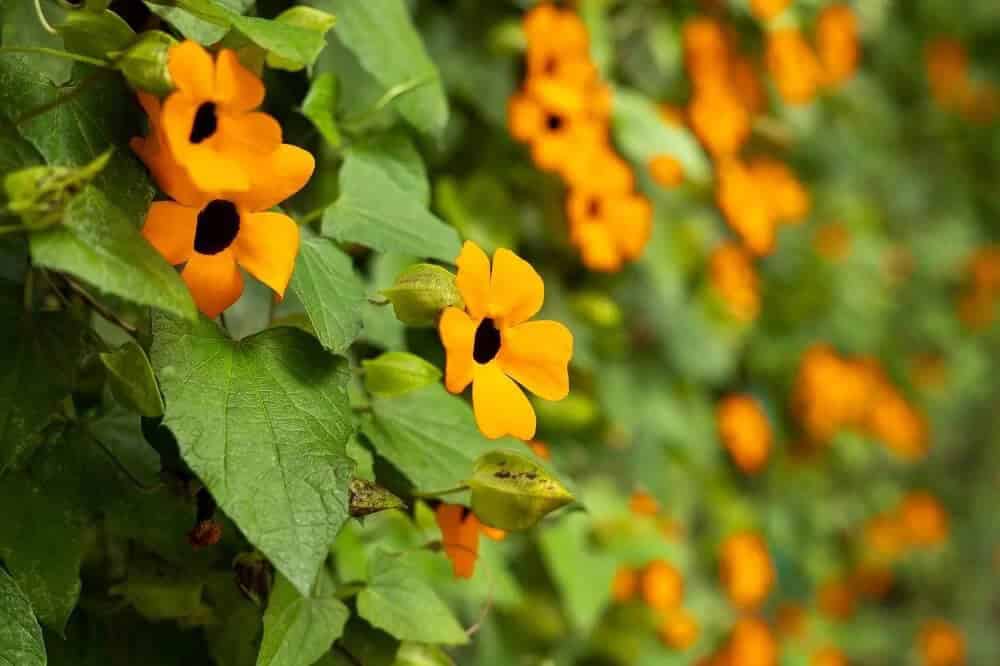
<point x="330" y="291"/>
<point x="319" y="106"/>
<point x="131" y="379"/>
<point x="298" y="629"/>
<point x="20" y="636"/>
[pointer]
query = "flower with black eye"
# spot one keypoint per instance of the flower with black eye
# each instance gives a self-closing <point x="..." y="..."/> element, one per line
<point x="460" y="530"/>
<point x="492" y="345"/>
<point x="209" y="122"/>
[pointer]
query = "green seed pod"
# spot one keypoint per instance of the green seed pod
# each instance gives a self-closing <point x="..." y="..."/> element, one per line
<point x="368" y="498"/>
<point x="597" y="308"/>
<point x="394" y="373"/>
<point x="421" y="292"/>
<point x="512" y="492"/>
<point x="145" y="64"/>
<point x="40" y="194"/>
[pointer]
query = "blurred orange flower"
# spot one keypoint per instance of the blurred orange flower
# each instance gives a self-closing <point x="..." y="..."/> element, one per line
<point x="941" y="644"/>
<point x="837" y="43"/>
<point x="836" y="599"/>
<point x="746" y="570"/>
<point x="679" y="629"/>
<point x="768" y="9"/>
<point x="624" y="585"/>
<point x="746" y="211"/>
<point x="662" y="586"/>
<point x="752" y="644"/>
<point x="828" y="656"/>
<point x="745" y="431"/>
<point x="924" y="521"/>
<point x="734" y="278"/>
<point x="666" y="171"/>
<point x="793" y="65"/>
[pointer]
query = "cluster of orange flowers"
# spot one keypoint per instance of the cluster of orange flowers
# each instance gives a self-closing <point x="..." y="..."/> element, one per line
<point x="745" y="431"/>
<point x="833" y="393"/>
<point x="920" y="521"/>
<point x="976" y="305"/>
<point x="460" y="530"/>
<point x="562" y="112"/>
<point x="953" y="87"/>
<point x="224" y="166"/>
<point x="661" y="587"/>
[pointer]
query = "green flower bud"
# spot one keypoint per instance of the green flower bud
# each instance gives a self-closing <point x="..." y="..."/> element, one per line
<point x="144" y="65"/>
<point x="421" y="292"/>
<point x="597" y="309"/>
<point x="573" y="413"/>
<point x="394" y="373"/>
<point x="512" y="492"/>
<point x="40" y="194"/>
<point x="368" y="498"/>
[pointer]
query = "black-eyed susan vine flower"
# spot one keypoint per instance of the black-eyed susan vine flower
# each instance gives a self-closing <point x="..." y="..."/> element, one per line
<point x="492" y="345"/>
<point x="460" y="530"/>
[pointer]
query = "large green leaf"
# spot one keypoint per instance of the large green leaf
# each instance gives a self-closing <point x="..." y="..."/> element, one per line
<point x="20" y="636"/>
<point x="264" y="422"/>
<point x="430" y="436"/>
<point x="298" y="629"/>
<point x="383" y="202"/>
<point x="400" y="603"/>
<point x="382" y="36"/>
<point x="97" y="244"/>
<point x="191" y="25"/>
<point x="330" y="291"/>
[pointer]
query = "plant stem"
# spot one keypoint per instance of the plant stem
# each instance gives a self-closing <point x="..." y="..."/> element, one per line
<point x="100" y="308"/>
<point x="41" y="18"/>
<point x="121" y="466"/>
<point x="61" y="99"/>
<point x="56" y="53"/>
<point x="387" y="98"/>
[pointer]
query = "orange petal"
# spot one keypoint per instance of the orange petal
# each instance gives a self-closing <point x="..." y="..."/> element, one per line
<point x="492" y="533"/>
<point x="536" y="354"/>
<point x="170" y="227"/>
<point x="266" y="246"/>
<point x="516" y="289"/>
<point x="192" y="70"/>
<point x="236" y="87"/>
<point x="214" y="281"/>
<point x="500" y="405"/>
<point x="277" y="178"/>
<point x="458" y="335"/>
<point x="209" y="170"/>
<point x="248" y="137"/>
<point x="460" y="538"/>
<point x="473" y="279"/>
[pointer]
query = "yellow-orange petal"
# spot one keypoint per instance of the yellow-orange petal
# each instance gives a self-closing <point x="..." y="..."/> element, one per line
<point x="170" y="227"/>
<point x="251" y="138"/>
<point x="275" y="179"/>
<point x="266" y="247"/>
<point x="192" y="70"/>
<point x="208" y="169"/>
<point x="458" y="335"/>
<point x="537" y="354"/>
<point x="492" y="533"/>
<point x="500" y="406"/>
<point x="516" y="289"/>
<point x="236" y="87"/>
<point x="597" y="248"/>
<point x="214" y="281"/>
<point x="473" y="279"/>
<point x="460" y="538"/>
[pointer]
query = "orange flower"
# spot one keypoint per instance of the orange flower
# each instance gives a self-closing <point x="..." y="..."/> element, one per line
<point x="925" y="522"/>
<point x="837" y="43"/>
<point x="733" y="276"/>
<point x="662" y="586"/>
<point x="460" y="537"/>
<point x="214" y="232"/>
<point x="872" y="580"/>
<point x="790" y="621"/>
<point x="768" y="9"/>
<point x="793" y="65"/>
<point x="720" y="120"/>
<point x="746" y="570"/>
<point x="491" y="344"/>
<point x="666" y="171"/>
<point x="209" y="122"/>
<point x="752" y="644"/>
<point x="786" y="198"/>
<point x="745" y="431"/>
<point x="608" y="229"/>
<point x="541" y="449"/>
<point x="885" y="537"/>
<point x="596" y="168"/>
<point x="642" y="503"/>
<point x="941" y="644"/>
<point x="833" y="241"/>
<point x="897" y="423"/>
<point x="746" y="84"/>
<point x="624" y="585"/>
<point x="828" y="656"/>
<point x="679" y="629"/>
<point x="947" y="70"/>
<point x="836" y="599"/>
<point x="746" y="211"/>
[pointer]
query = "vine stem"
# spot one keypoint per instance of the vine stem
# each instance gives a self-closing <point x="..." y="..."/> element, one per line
<point x="121" y="466"/>
<point x="427" y="494"/>
<point x="387" y="98"/>
<point x="100" y="308"/>
<point x="41" y="18"/>
<point x="56" y="53"/>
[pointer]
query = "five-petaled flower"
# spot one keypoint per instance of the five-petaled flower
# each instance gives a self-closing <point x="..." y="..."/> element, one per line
<point x="460" y="529"/>
<point x="491" y="344"/>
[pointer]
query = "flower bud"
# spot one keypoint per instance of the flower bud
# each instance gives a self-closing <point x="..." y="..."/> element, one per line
<point x="368" y="498"/>
<point x="512" y="492"/>
<point x="40" y="194"/>
<point x="144" y="65"/>
<point x="421" y="292"/>
<point x="394" y="373"/>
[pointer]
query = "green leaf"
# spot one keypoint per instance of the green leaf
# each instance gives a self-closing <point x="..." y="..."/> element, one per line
<point x="159" y="592"/>
<point x="19" y="26"/>
<point x="382" y="36"/>
<point x="298" y="629"/>
<point x="37" y="371"/>
<point x="395" y="373"/>
<point x="20" y="636"/>
<point x="398" y="601"/>
<point x="308" y="19"/>
<point x="330" y="291"/>
<point x="383" y="202"/>
<point x="193" y="23"/>
<point x="418" y="654"/>
<point x="429" y="435"/>
<point x="264" y="423"/>
<point x="512" y="492"/>
<point x="320" y="104"/>
<point x="97" y="244"/>
<point x="131" y="379"/>
<point x="291" y="43"/>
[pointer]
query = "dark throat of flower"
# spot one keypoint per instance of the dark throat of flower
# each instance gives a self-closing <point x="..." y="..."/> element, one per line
<point x="205" y="123"/>
<point x="487" y="343"/>
<point x="554" y="122"/>
<point x="218" y="225"/>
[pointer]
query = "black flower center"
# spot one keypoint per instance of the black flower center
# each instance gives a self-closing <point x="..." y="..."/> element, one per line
<point x="205" y="123"/>
<point x="218" y="224"/>
<point x="594" y="207"/>
<point x="554" y="122"/>
<point x="487" y="343"/>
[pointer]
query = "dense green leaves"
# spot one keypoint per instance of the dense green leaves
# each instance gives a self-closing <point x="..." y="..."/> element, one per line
<point x="330" y="291"/>
<point x="298" y="629"/>
<point x="264" y="422"/>
<point x="383" y="202"/>
<point x="397" y="601"/>
<point x="20" y="636"/>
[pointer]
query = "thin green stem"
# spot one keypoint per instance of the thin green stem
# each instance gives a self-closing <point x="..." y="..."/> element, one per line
<point x="313" y="215"/>
<point x="121" y="466"/>
<point x="387" y="98"/>
<point x="56" y="53"/>
<point x="100" y="308"/>
<point x="41" y="18"/>
<point x="429" y="494"/>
